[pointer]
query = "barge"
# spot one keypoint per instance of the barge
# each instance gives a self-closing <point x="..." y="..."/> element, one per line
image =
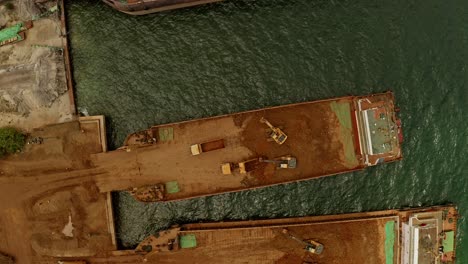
<point x="316" y="139"/>
<point x="422" y="235"/>
<point x="143" y="7"/>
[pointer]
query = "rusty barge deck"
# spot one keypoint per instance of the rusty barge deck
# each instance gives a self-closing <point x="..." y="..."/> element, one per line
<point x="422" y="235"/>
<point x="326" y="137"/>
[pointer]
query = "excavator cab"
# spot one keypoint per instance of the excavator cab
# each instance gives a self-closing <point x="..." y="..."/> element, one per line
<point x="314" y="247"/>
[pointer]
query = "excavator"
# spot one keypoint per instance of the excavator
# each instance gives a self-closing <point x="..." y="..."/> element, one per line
<point x="283" y="162"/>
<point x="275" y="133"/>
<point x="310" y="245"/>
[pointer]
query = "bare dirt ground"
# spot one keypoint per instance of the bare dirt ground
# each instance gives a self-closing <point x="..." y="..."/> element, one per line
<point x="33" y="88"/>
<point x="49" y="187"/>
<point x="348" y="242"/>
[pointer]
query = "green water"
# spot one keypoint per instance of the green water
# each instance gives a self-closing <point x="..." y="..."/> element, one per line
<point x="247" y="54"/>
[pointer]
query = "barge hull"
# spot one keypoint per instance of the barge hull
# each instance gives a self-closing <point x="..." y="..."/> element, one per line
<point x="153" y="6"/>
<point x="322" y="136"/>
<point x="374" y="237"/>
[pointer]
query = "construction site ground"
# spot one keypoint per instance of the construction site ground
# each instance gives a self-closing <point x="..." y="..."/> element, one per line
<point x="33" y="85"/>
<point x="316" y="137"/>
<point x="51" y="206"/>
<point x="56" y="192"/>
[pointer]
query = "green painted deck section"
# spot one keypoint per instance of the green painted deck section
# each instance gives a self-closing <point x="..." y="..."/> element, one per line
<point x="343" y="113"/>
<point x="10" y="32"/>
<point x="172" y="187"/>
<point x="166" y="134"/>
<point x="448" y="241"/>
<point x="389" y="241"/>
<point x="188" y="241"/>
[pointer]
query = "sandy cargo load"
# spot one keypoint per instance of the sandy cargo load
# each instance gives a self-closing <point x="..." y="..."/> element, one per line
<point x="420" y="235"/>
<point x="256" y="148"/>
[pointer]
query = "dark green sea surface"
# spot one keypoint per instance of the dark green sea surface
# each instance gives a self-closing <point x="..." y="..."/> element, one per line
<point x="240" y="55"/>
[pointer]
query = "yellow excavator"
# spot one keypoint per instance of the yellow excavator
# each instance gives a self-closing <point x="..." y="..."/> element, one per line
<point x="310" y="245"/>
<point x="275" y="132"/>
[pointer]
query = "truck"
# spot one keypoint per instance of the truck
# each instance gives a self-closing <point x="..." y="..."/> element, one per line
<point x="197" y="149"/>
<point x="249" y="165"/>
<point x="283" y="162"/>
<point x="243" y="166"/>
